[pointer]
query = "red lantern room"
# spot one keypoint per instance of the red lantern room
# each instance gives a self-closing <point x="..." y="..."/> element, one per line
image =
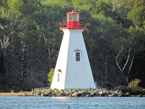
<point x="72" y="22"/>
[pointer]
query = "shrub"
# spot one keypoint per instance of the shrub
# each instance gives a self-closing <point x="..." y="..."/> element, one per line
<point x="124" y="89"/>
<point x="132" y="91"/>
<point x="134" y="83"/>
<point x="137" y="91"/>
<point x="50" y="76"/>
<point x="12" y="91"/>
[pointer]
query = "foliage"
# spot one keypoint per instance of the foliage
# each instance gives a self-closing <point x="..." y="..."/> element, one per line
<point x="50" y="76"/>
<point x="137" y="13"/>
<point x="131" y="90"/>
<point x="62" y="3"/>
<point x="15" y="6"/>
<point x="137" y="91"/>
<point x="134" y="83"/>
<point x="124" y="89"/>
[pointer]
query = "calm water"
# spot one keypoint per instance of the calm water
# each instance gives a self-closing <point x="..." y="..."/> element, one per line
<point x="71" y="103"/>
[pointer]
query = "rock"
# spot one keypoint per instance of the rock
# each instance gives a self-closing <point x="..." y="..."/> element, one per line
<point x="116" y="95"/>
<point x="120" y="95"/>
<point x="70" y="95"/>
<point x="140" y="95"/>
<point x="78" y="93"/>
<point x="47" y="93"/>
<point x="37" y="94"/>
<point x="127" y="94"/>
<point x="67" y="93"/>
<point x="62" y="90"/>
<point x="113" y="95"/>
<point x="132" y="95"/>
<point x="83" y="94"/>
<point x="87" y="95"/>
<point x="74" y="91"/>
<point x="63" y="94"/>
<point x="110" y="95"/>
<point x="57" y="94"/>
<point x="93" y="94"/>
<point x="101" y="93"/>
<point x="74" y="94"/>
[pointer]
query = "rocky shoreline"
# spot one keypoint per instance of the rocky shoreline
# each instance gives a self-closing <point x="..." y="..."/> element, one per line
<point x="46" y="92"/>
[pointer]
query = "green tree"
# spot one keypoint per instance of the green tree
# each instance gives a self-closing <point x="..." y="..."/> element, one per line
<point x="30" y="38"/>
<point x="15" y="6"/>
<point x="62" y="3"/>
<point x="137" y="15"/>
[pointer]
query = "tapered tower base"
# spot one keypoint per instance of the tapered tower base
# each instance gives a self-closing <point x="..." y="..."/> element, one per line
<point x="73" y="69"/>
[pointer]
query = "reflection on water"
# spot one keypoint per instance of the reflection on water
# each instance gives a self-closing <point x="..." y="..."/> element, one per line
<point x="63" y="100"/>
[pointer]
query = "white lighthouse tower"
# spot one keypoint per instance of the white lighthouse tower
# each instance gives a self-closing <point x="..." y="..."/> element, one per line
<point x="72" y="69"/>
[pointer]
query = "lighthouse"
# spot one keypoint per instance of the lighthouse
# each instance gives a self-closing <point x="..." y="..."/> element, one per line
<point x="72" y="70"/>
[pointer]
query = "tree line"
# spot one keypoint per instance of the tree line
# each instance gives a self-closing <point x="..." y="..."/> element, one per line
<point x="30" y="39"/>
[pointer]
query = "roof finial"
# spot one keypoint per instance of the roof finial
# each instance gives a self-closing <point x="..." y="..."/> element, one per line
<point x="72" y="11"/>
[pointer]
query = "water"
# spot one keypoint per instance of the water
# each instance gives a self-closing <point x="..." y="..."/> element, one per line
<point x="12" y="102"/>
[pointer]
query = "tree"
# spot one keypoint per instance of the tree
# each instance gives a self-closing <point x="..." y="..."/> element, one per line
<point x="62" y="3"/>
<point x="137" y="15"/>
<point x="30" y="39"/>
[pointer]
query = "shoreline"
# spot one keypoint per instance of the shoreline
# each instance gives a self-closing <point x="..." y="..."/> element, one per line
<point x="11" y="94"/>
<point x="25" y="94"/>
<point x="47" y="92"/>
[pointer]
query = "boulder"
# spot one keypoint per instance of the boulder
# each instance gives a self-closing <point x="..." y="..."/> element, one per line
<point x="87" y="95"/>
<point x="101" y="93"/>
<point x="63" y="94"/>
<point x="127" y="94"/>
<point x="47" y="92"/>
<point x="76" y="94"/>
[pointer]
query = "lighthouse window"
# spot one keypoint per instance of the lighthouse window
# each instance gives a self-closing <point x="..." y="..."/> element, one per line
<point x="77" y="56"/>
<point x="73" y="17"/>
